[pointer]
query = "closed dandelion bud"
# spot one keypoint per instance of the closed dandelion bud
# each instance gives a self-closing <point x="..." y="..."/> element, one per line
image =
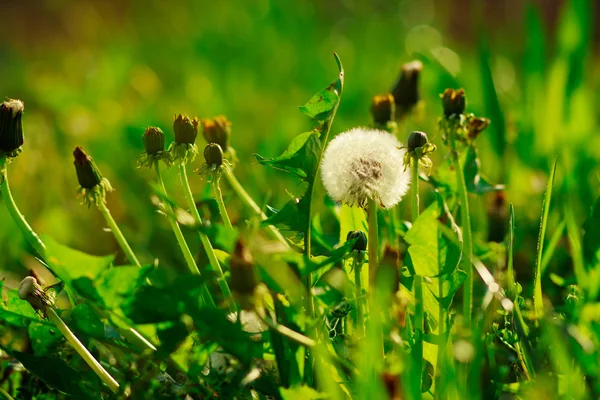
<point x="406" y="91"/>
<point x="213" y="154"/>
<point x="88" y="174"/>
<point x="217" y="130"/>
<point x="416" y="139"/>
<point x="361" y="240"/>
<point x="154" y="140"/>
<point x="11" y="126"/>
<point x="244" y="280"/>
<point x="185" y="129"/>
<point x="454" y="102"/>
<point x="30" y="291"/>
<point x="476" y="126"/>
<point x="383" y="110"/>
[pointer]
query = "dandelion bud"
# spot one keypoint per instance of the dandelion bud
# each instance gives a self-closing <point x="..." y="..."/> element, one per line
<point x="416" y="139"/>
<point x="361" y="240"/>
<point x="154" y="140"/>
<point x="383" y="110"/>
<point x="88" y="174"/>
<point x="476" y="126"/>
<point x="185" y="129"/>
<point x="213" y="154"/>
<point x="30" y="291"/>
<point x="217" y="130"/>
<point x="406" y="91"/>
<point x="244" y="279"/>
<point x="454" y="102"/>
<point x="11" y="126"/>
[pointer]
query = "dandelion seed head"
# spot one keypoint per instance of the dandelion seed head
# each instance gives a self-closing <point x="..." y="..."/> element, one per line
<point x="363" y="164"/>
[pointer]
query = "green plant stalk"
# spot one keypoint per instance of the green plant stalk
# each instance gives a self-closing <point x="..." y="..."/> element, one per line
<point x="83" y="352"/>
<point x="210" y="252"/>
<point x="219" y="198"/>
<point x="187" y="254"/>
<point x="467" y="244"/>
<point x="16" y="215"/>
<point x="6" y="395"/>
<point x="247" y="200"/>
<point x="415" y="188"/>
<point x="358" y="294"/>
<point x="118" y="234"/>
<point x="511" y="286"/>
<point x="419" y="321"/>
<point x="373" y="241"/>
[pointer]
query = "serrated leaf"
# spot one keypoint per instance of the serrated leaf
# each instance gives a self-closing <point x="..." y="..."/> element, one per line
<point x="293" y="216"/>
<point x="322" y="105"/>
<point x="300" y="158"/>
<point x="70" y="264"/>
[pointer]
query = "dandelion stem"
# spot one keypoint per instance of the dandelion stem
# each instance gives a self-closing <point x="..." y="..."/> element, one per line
<point x="210" y="252"/>
<point x="16" y="215"/>
<point x="118" y="234"/>
<point x="187" y="254"/>
<point x="219" y="198"/>
<point x="359" y="297"/>
<point x="415" y="188"/>
<point x="373" y="242"/>
<point x="6" y="395"/>
<point x="83" y="352"/>
<point x="247" y="200"/>
<point x="467" y="244"/>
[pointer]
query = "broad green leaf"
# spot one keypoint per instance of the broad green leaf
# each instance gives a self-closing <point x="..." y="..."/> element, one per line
<point x="538" y="303"/>
<point x="43" y="337"/>
<point x="351" y="219"/>
<point x="60" y="376"/>
<point x="117" y="284"/>
<point x="423" y="240"/>
<point x="84" y="319"/>
<point x="293" y="216"/>
<point x="70" y="264"/>
<point x="15" y="311"/>
<point x="300" y="158"/>
<point x="322" y="105"/>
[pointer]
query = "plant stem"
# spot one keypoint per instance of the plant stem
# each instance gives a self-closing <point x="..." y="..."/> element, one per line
<point x="16" y="215"/>
<point x="467" y="244"/>
<point x="219" y="198"/>
<point x="83" y="352"/>
<point x="415" y="188"/>
<point x="246" y="199"/>
<point x="187" y="254"/>
<point x="6" y="395"/>
<point x="285" y="331"/>
<point x="210" y="252"/>
<point x="118" y="234"/>
<point x="373" y="242"/>
<point x="358" y="294"/>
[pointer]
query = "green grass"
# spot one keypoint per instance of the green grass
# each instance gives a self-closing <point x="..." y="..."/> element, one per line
<point x="169" y="329"/>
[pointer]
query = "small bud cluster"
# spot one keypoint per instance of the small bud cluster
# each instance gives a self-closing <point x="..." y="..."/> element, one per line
<point x="92" y="185"/>
<point x="466" y="125"/>
<point x="154" y="144"/>
<point x="11" y="127"/>
<point x="184" y="149"/>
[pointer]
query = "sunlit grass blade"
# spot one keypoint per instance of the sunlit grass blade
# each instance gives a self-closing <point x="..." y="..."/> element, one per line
<point x="552" y="244"/>
<point x="573" y="232"/>
<point x="511" y="241"/>
<point x="538" y="303"/>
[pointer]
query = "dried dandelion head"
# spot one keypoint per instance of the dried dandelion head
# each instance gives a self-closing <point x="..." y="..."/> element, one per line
<point x="363" y="164"/>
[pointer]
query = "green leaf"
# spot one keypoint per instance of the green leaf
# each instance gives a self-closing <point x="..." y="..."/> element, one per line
<point x="300" y="158"/>
<point x="301" y="393"/>
<point x="70" y="264"/>
<point x="423" y="240"/>
<point x="15" y="311"/>
<point x="591" y="236"/>
<point x="293" y="216"/>
<point x="322" y="105"/>
<point x="84" y="319"/>
<point x="43" y="337"/>
<point x="538" y="303"/>
<point x="60" y="376"/>
<point x="493" y="110"/>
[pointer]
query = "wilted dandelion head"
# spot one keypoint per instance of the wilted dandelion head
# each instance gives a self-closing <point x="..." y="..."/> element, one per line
<point x="363" y="164"/>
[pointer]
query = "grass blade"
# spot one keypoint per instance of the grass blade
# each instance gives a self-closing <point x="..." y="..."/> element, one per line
<point x="538" y="304"/>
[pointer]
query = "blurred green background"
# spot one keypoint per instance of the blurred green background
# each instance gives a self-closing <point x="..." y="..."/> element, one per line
<point x="96" y="73"/>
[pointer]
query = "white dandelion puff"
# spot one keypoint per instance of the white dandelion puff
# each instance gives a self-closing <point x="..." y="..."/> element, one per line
<point x="363" y="164"/>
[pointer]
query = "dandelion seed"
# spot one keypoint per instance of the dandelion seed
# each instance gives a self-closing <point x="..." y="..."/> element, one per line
<point x="363" y="164"/>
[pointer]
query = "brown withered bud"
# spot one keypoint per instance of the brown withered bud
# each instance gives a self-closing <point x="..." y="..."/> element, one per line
<point x="185" y="129"/>
<point x="244" y="279"/>
<point x="88" y="174"/>
<point x="383" y="110"/>
<point x="11" y="125"/>
<point x="213" y="155"/>
<point x="393" y="385"/>
<point x="406" y="91"/>
<point x="217" y="130"/>
<point x="154" y="140"/>
<point x="476" y="126"/>
<point x="30" y="291"/>
<point x="497" y="217"/>
<point x="454" y="102"/>
<point x="388" y="272"/>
